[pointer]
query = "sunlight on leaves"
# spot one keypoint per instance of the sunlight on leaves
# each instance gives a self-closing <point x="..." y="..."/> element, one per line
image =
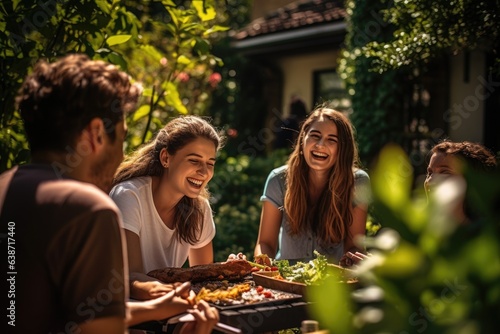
<point x="215" y="29"/>
<point x="416" y="214"/>
<point x="104" y="6"/>
<point x="206" y="14"/>
<point x="484" y="256"/>
<point x="168" y="3"/>
<point x="117" y="39"/>
<point x="183" y="60"/>
<point x="152" y="51"/>
<point x="392" y="178"/>
<point x="403" y="262"/>
<point x="173" y="99"/>
<point x="141" y="112"/>
<point x="331" y="305"/>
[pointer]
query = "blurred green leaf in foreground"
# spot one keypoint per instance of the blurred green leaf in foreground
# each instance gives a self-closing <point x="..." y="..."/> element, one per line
<point x="427" y="273"/>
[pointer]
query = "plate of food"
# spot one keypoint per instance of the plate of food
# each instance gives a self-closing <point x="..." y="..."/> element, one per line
<point x="225" y="285"/>
<point x="229" y="295"/>
<point x="295" y="278"/>
<point x="278" y="282"/>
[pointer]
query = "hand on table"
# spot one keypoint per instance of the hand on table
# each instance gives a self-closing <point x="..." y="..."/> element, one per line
<point x="206" y="318"/>
<point x="151" y="289"/>
<point x="352" y="258"/>
<point x="263" y="259"/>
<point x="177" y="301"/>
<point x="239" y="256"/>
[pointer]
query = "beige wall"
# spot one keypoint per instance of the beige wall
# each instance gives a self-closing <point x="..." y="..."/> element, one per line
<point x="298" y="75"/>
<point x="466" y="114"/>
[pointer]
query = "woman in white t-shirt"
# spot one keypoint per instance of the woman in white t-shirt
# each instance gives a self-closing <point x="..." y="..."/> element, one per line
<point x="162" y="195"/>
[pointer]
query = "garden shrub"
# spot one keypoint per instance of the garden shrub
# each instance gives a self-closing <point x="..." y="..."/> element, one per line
<point x="236" y="188"/>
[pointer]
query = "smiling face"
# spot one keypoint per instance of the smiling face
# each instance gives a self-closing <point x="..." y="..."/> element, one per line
<point x="191" y="167"/>
<point x="320" y="145"/>
<point x="441" y="167"/>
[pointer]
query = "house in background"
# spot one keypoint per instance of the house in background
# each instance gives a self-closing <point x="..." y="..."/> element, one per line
<point x="299" y="43"/>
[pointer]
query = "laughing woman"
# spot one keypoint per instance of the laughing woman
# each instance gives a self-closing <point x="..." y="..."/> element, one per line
<point x="161" y="192"/>
<point x="318" y="200"/>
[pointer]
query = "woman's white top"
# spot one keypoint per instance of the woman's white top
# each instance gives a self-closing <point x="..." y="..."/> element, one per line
<point x="160" y="248"/>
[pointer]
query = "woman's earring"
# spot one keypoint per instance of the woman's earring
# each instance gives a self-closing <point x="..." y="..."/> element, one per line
<point x="301" y="153"/>
<point x="165" y="165"/>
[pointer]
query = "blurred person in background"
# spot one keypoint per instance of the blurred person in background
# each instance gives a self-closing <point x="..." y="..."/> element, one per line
<point x="449" y="161"/>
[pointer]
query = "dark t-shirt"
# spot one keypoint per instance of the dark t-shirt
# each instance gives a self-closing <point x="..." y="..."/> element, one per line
<point x="66" y="246"/>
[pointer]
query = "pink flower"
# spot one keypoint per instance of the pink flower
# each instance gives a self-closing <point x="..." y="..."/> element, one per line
<point x="183" y="77"/>
<point x="163" y="61"/>
<point x="214" y="79"/>
<point x="233" y="133"/>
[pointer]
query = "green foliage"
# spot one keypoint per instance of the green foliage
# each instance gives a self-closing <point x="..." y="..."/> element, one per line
<point x="373" y="66"/>
<point x="389" y="47"/>
<point x="239" y="102"/>
<point x="376" y="98"/>
<point x="13" y="143"/>
<point x="426" y="29"/>
<point x="331" y="306"/>
<point x="427" y="274"/>
<point x="31" y="31"/>
<point x="236" y="188"/>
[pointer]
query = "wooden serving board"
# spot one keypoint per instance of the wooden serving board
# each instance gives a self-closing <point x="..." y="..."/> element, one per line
<point x="278" y="284"/>
<point x="268" y="280"/>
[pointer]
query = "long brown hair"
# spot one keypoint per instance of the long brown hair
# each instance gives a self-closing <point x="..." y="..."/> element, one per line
<point x="188" y="217"/>
<point x="332" y="215"/>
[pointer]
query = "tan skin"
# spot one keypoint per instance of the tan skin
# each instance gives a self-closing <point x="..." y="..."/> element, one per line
<point x="441" y="167"/>
<point x="102" y="154"/>
<point x="186" y="173"/>
<point x="320" y="150"/>
<point x="173" y="303"/>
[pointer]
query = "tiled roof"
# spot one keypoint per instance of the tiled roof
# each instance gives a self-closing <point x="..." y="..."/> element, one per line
<point x="299" y="14"/>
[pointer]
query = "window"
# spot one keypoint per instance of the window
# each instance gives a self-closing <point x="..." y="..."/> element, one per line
<point x="329" y="87"/>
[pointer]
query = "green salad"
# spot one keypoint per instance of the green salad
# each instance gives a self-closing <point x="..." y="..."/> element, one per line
<point x="309" y="273"/>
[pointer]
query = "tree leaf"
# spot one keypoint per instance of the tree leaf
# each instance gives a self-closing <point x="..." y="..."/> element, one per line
<point x="205" y="11"/>
<point x="152" y="51"/>
<point x="168" y="3"/>
<point x="393" y="177"/>
<point x="215" y="29"/>
<point x="331" y="292"/>
<point x="173" y="99"/>
<point x="117" y="59"/>
<point x="104" y="6"/>
<point x="117" y="39"/>
<point x="141" y="112"/>
<point x="183" y="60"/>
